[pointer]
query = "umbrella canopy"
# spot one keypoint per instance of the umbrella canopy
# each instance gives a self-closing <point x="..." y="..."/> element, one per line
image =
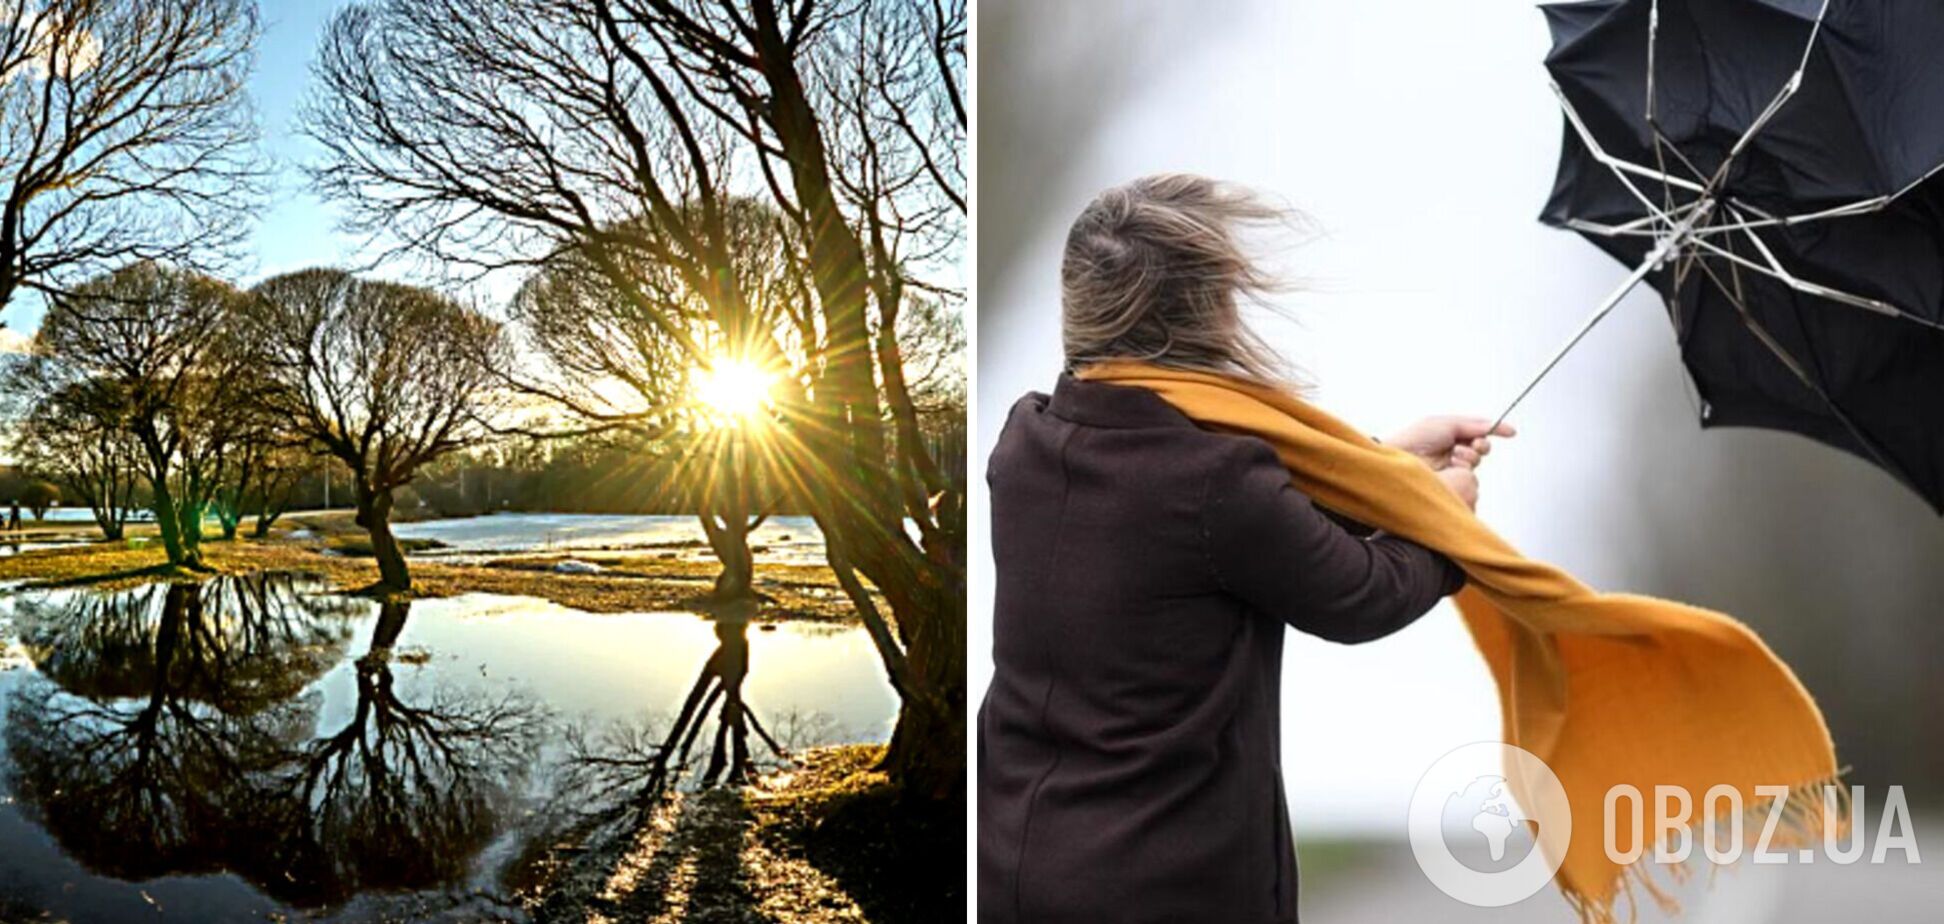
<point x="1771" y="168"/>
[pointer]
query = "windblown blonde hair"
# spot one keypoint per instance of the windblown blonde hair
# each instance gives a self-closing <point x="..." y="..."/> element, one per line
<point x="1155" y="270"/>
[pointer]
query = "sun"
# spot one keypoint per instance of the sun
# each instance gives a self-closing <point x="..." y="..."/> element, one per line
<point x="734" y="389"/>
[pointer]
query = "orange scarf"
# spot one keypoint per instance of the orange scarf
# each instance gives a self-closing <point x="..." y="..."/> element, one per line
<point x="1605" y="688"/>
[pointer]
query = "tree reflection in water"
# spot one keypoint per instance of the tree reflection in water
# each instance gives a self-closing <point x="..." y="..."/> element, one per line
<point x="624" y="760"/>
<point x="612" y="787"/>
<point x="140" y="742"/>
<point x="402" y="795"/>
<point x="169" y="732"/>
<point x="237" y="644"/>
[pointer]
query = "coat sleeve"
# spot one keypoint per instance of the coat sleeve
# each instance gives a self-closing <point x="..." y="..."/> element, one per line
<point x="1270" y="546"/>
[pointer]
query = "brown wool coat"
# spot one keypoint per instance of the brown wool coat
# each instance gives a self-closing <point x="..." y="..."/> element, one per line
<point x="1129" y="744"/>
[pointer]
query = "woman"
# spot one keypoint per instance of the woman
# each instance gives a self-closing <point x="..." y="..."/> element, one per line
<point x="1129" y="744"/>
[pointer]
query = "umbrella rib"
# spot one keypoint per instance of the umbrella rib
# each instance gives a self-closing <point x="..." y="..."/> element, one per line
<point x="1637" y="227"/>
<point x="1776" y="270"/>
<point x="1846" y="210"/>
<point x="1594" y="227"/>
<point x="1619" y="167"/>
<point x="1789" y="362"/>
<point x="1782" y="97"/>
<point x="1653" y="123"/>
<point x="1653" y="38"/>
<point x="1810" y="288"/>
<point x="1692" y="168"/>
<point x="1662" y="143"/>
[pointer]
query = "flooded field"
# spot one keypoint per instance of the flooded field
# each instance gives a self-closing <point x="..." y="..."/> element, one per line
<point x="789" y="539"/>
<point x="253" y="748"/>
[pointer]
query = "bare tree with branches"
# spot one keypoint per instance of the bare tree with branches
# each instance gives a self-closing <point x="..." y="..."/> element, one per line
<point x="607" y="363"/>
<point x="125" y="136"/>
<point x="259" y="472"/>
<point x="496" y="134"/>
<point x="381" y="376"/>
<point x="152" y="344"/>
<point x="76" y="437"/>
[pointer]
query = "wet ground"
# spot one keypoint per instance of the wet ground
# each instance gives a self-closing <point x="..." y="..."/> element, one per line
<point x="781" y="539"/>
<point x="255" y="748"/>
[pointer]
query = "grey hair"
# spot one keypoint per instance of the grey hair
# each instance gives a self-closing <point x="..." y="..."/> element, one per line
<point x="1155" y="270"/>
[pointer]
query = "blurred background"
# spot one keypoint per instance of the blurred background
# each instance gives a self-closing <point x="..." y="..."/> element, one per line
<point x="1421" y="138"/>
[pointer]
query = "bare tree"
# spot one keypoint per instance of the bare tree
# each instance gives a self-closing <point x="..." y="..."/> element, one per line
<point x="39" y="495"/>
<point x="275" y="486"/>
<point x="76" y="437"/>
<point x="608" y="364"/>
<point x="258" y="474"/>
<point x="383" y="377"/>
<point x="125" y="136"/>
<point x="495" y="134"/>
<point x="258" y="460"/>
<point x="152" y="342"/>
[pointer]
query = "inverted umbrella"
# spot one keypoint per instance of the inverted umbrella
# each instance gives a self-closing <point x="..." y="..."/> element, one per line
<point x="1771" y="168"/>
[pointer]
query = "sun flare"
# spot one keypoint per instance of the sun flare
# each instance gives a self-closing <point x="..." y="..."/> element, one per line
<point x="735" y="389"/>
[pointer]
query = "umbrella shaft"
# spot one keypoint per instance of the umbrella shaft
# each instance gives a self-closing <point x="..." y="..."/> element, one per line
<point x="1613" y="298"/>
<point x="1675" y="237"/>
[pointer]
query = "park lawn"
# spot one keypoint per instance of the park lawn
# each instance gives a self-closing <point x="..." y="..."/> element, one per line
<point x="650" y="582"/>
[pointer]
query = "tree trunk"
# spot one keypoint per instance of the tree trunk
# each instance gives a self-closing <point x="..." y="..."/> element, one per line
<point x="927" y="747"/>
<point x="727" y="521"/>
<point x="926" y="590"/>
<point x="170" y="526"/>
<point x="729" y="540"/>
<point x="264" y="518"/>
<point x="182" y="546"/>
<point x="110" y="521"/>
<point x="123" y="497"/>
<point x="190" y="511"/>
<point x="273" y="498"/>
<point x="374" y="514"/>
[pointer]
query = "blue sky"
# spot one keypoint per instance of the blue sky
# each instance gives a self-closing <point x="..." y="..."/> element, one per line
<point x="296" y="229"/>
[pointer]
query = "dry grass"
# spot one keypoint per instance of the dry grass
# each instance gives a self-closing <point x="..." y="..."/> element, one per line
<point x="629" y="583"/>
<point x="827" y="841"/>
<point x="899" y="859"/>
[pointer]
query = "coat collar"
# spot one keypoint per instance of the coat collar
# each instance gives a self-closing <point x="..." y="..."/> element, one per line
<point x="1097" y="404"/>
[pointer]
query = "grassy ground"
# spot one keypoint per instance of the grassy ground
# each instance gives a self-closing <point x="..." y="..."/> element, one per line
<point x="630" y="582"/>
<point x="827" y="841"/>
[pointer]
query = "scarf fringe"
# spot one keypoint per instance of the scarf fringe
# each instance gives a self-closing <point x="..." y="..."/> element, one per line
<point x="1805" y="816"/>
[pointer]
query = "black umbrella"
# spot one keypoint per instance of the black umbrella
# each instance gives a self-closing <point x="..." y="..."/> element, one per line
<point x="1768" y="166"/>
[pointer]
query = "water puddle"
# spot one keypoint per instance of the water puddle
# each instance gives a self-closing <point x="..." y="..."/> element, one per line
<point x="254" y="747"/>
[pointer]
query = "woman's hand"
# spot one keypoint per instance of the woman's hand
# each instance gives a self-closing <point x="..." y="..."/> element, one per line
<point x="1462" y="481"/>
<point x="1443" y="442"/>
<point x="1453" y="447"/>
